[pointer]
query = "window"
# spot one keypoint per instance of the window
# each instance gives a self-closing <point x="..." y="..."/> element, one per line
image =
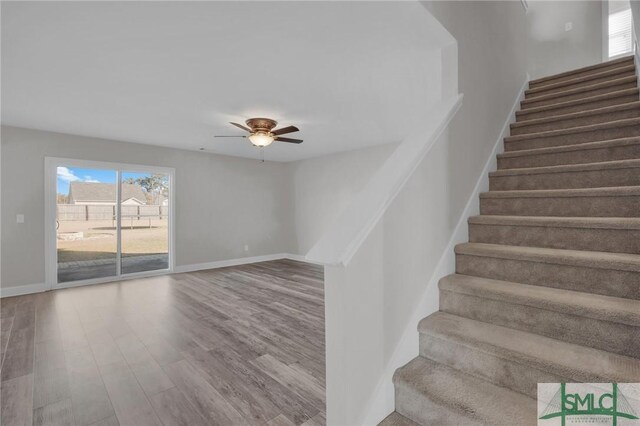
<point x="620" y="31"/>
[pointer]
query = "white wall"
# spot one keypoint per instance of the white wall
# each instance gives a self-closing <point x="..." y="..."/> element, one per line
<point x="324" y="186"/>
<point x="370" y="302"/>
<point x="491" y="70"/>
<point x="551" y="49"/>
<point x="222" y="203"/>
<point x="373" y="302"/>
<point x="635" y="10"/>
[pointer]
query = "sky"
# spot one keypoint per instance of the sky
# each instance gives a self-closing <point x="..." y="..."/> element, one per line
<point x="76" y="174"/>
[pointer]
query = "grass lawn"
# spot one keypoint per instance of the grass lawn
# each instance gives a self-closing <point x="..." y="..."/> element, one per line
<point x="99" y="240"/>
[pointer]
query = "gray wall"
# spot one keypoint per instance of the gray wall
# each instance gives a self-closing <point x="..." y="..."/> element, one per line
<point x="551" y="49"/>
<point x="222" y="203"/>
<point x="491" y="71"/>
<point x="324" y="186"/>
<point x="635" y="10"/>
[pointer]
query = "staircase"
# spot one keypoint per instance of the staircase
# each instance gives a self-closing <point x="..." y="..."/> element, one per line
<point x="548" y="287"/>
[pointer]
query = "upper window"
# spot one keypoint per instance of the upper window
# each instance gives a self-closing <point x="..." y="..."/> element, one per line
<point x="620" y="29"/>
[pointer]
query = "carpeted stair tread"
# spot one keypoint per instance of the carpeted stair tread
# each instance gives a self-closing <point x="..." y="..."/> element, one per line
<point x="591" y="259"/>
<point x="576" y="115"/>
<point x="610" y="174"/>
<point x="604" y="234"/>
<point x="604" y="74"/>
<point x="618" y="173"/>
<point x="615" y="277"/>
<point x="588" y="152"/>
<point x="570" y="148"/>
<point x="596" y="67"/>
<point x="432" y="393"/>
<point x="571" y="315"/>
<point x="595" y="306"/>
<point x="397" y="419"/>
<point x="622" y="201"/>
<point x="604" y="165"/>
<point x="625" y="223"/>
<point x="576" y="105"/>
<point x="573" y="362"/>
<point x="621" y="191"/>
<point x="580" y="129"/>
<point x="580" y="92"/>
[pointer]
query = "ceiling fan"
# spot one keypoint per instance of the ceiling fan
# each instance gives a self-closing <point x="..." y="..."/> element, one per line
<point x="262" y="133"/>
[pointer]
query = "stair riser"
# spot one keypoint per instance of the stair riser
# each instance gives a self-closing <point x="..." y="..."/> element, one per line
<point x="623" y="152"/>
<point x="567" y="180"/>
<point x="427" y="410"/>
<point x="534" y="103"/>
<point x="599" y="206"/>
<point x="576" y="122"/>
<point x="605" y="335"/>
<point x="608" y="282"/>
<point x="590" y="239"/>
<point x="486" y="366"/>
<point x="572" y="138"/>
<point x="587" y="106"/>
<point x="571" y="76"/>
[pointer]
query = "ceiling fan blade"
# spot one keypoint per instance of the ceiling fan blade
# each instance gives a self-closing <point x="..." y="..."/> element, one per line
<point x="246" y="129"/>
<point x="290" y="140"/>
<point x="234" y="136"/>
<point x="284" y="130"/>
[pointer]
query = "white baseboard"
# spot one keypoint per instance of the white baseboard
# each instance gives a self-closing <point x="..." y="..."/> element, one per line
<point x="382" y="402"/>
<point x="20" y="290"/>
<point x="38" y="288"/>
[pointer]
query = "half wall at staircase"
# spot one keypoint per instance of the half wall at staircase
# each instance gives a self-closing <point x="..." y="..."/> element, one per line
<point x="374" y="302"/>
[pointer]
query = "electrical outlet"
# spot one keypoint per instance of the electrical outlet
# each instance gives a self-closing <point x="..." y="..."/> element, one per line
<point x="246" y="247"/>
<point x="20" y="218"/>
<point x="568" y="26"/>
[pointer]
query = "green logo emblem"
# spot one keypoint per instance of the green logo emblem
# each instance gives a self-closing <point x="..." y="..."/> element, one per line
<point x="612" y="404"/>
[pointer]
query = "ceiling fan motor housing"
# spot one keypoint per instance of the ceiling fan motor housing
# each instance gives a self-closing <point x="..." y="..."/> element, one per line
<point x="261" y="124"/>
<point x="262" y="132"/>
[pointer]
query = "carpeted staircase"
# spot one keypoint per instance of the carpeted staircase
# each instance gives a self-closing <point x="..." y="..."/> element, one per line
<point x="548" y="287"/>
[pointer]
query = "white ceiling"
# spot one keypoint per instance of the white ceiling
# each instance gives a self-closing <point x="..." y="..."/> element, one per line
<point x="348" y="74"/>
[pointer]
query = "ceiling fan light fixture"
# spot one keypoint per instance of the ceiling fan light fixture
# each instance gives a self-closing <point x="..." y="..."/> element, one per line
<point x="261" y="132"/>
<point x="261" y="139"/>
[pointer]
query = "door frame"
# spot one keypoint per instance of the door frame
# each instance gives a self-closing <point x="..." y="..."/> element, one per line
<point x="50" y="241"/>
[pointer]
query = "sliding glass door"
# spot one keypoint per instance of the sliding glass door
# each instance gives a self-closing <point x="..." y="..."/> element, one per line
<point x="86" y="223"/>
<point x="145" y="223"/>
<point x="106" y="221"/>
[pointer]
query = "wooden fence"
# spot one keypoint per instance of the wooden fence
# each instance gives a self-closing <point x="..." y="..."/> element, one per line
<point x="86" y="212"/>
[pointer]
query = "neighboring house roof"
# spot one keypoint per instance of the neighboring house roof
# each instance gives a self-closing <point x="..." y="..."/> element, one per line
<point x="131" y="202"/>
<point x="104" y="192"/>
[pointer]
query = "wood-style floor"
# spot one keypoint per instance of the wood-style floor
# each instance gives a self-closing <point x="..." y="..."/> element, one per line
<point x="231" y="346"/>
